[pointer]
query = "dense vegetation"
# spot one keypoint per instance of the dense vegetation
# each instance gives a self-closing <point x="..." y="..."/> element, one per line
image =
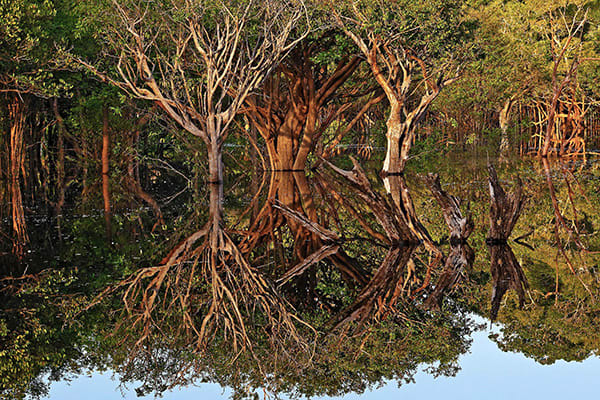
<point x="175" y="181"/>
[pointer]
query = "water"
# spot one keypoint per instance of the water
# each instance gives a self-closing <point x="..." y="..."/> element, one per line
<point x="326" y="284"/>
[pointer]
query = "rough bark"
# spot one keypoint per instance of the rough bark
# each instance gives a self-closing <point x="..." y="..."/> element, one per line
<point x="503" y="119"/>
<point x="506" y="274"/>
<point x="461" y="257"/>
<point x="461" y="226"/>
<point x="17" y="111"/>
<point x="506" y="271"/>
<point x="289" y="112"/>
<point x="106" y="171"/>
<point x="505" y="209"/>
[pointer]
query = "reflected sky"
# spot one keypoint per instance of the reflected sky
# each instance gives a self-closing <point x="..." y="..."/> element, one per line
<point x="486" y="373"/>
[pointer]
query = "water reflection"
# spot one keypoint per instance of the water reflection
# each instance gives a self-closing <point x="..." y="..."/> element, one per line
<point x="319" y="284"/>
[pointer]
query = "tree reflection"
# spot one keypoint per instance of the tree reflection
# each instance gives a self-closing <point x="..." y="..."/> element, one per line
<point x="319" y="284"/>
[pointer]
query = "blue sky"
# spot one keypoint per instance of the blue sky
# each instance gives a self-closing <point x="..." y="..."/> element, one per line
<point x="487" y="373"/>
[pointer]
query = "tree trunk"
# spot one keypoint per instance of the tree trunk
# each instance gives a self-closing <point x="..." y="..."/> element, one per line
<point x="216" y="135"/>
<point x="105" y="170"/>
<point x="505" y="208"/>
<point x="393" y="164"/>
<point x="550" y="127"/>
<point x="507" y="274"/>
<point x="17" y="128"/>
<point x="215" y="163"/>
<point x="503" y="119"/>
<point x="215" y="216"/>
<point x="306" y="145"/>
<point x="60" y="161"/>
<point x="286" y="138"/>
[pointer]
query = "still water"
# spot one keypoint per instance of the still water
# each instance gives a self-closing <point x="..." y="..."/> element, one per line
<point x="486" y="372"/>
<point x="482" y="283"/>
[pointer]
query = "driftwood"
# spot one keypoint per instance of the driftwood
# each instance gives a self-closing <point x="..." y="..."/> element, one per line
<point x="378" y="298"/>
<point x="505" y="209"/>
<point x="461" y="255"/>
<point x="506" y="271"/>
<point x="506" y="274"/>
<point x="461" y="226"/>
<point x="399" y="223"/>
<point x="458" y="263"/>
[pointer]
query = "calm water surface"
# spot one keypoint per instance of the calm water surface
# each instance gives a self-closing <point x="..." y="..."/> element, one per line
<point x="321" y="285"/>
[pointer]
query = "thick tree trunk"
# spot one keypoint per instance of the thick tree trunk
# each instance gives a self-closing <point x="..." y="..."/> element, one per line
<point x="17" y="129"/>
<point x="215" y="163"/>
<point x="393" y="164"/>
<point x="287" y="139"/>
<point x="400" y="137"/>
<point x="306" y="145"/>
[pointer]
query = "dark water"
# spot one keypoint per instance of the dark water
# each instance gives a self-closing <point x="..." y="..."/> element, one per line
<point x="325" y="284"/>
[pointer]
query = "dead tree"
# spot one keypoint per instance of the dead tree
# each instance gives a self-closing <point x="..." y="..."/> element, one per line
<point x="461" y="226"/>
<point x="200" y="60"/>
<point x="505" y="209"/>
<point x="461" y="256"/>
<point x="396" y="216"/>
<point x="506" y="271"/>
<point x="565" y="50"/>
<point x="396" y="277"/>
<point x="399" y="71"/>
<point x="506" y="274"/>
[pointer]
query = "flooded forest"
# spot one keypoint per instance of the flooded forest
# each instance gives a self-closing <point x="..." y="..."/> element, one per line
<point x="296" y="198"/>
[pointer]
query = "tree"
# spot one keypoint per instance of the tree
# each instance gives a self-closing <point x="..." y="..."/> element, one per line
<point x="403" y="44"/>
<point x="198" y="60"/>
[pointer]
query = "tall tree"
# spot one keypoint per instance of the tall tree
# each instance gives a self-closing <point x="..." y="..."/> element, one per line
<point x="407" y="47"/>
<point x="198" y="60"/>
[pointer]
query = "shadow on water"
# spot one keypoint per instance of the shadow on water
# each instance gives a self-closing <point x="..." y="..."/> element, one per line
<point x="319" y="284"/>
